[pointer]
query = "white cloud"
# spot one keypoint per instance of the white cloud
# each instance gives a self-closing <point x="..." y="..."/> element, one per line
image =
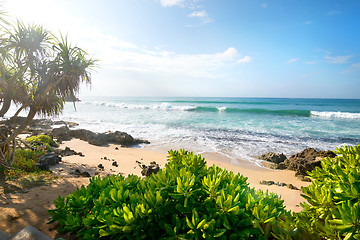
<point x="264" y="5"/>
<point x="332" y="13"/>
<point x="245" y="59"/>
<point x="200" y="14"/>
<point x="292" y="60"/>
<point x="337" y="59"/>
<point x="171" y="3"/>
<point x="309" y="22"/>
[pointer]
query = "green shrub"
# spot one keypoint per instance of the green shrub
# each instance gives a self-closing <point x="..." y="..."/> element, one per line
<point x="185" y="200"/>
<point x="24" y="162"/>
<point x="42" y="140"/>
<point x="333" y="208"/>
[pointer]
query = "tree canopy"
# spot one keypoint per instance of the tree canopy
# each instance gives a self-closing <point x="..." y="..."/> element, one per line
<point x="38" y="71"/>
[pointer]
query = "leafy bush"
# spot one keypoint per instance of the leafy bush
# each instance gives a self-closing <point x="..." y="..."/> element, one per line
<point x="333" y="208"/>
<point x="24" y="163"/>
<point x="185" y="200"/>
<point x="42" y="140"/>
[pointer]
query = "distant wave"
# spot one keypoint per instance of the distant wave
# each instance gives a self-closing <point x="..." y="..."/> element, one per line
<point x="224" y="102"/>
<point x="163" y="106"/>
<point x="336" y="114"/>
<point x="167" y="106"/>
<point x="302" y="113"/>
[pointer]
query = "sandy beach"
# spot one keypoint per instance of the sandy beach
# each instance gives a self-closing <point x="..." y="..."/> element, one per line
<point x="30" y="208"/>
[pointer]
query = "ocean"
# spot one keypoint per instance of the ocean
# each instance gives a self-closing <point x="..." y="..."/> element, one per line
<point x="238" y="129"/>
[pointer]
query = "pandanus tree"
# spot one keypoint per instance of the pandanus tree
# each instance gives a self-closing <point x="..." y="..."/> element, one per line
<point x="37" y="73"/>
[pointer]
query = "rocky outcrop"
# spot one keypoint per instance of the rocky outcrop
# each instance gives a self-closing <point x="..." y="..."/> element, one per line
<point x="273" y="157"/>
<point x="98" y="139"/>
<point x="67" y="152"/>
<point x="47" y="160"/>
<point x="301" y="163"/>
<point x="307" y="160"/>
<point x="148" y="170"/>
<point x="38" y="126"/>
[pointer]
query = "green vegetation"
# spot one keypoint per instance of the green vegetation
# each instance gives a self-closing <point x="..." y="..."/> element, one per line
<point x="24" y="163"/>
<point x="23" y="173"/>
<point x="38" y="71"/>
<point x="25" y="159"/>
<point x="333" y="208"/>
<point x="185" y="200"/>
<point x="42" y="141"/>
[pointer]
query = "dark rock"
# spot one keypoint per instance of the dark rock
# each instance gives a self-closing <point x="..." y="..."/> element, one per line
<point x="115" y="164"/>
<point x="30" y="233"/>
<point x="77" y="171"/>
<point x="105" y="158"/>
<point x="148" y="170"/>
<point x="116" y="148"/>
<point x="4" y="235"/>
<point x="84" y="174"/>
<point x="51" y="159"/>
<point x="292" y="186"/>
<point x="66" y="152"/>
<point x="62" y="134"/>
<point x="269" y="183"/>
<point x="43" y="166"/>
<point x="303" y="178"/>
<point x="306" y="161"/>
<point x="273" y="157"/>
<point x="80" y="154"/>
<point x="101" y="166"/>
<point x="98" y="139"/>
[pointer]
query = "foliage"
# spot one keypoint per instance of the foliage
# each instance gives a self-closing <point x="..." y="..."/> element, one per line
<point x="42" y="140"/>
<point x="37" y="72"/>
<point x="24" y="163"/>
<point x="185" y="200"/>
<point x="333" y="208"/>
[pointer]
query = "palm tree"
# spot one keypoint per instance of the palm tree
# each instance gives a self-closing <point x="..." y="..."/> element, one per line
<point x="46" y="73"/>
<point x="23" y="47"/>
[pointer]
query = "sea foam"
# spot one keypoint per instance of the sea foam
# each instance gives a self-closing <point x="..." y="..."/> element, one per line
<point x="336" y="114"/>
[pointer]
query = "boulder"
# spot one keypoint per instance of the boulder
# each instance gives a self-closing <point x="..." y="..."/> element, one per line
<point x="273" y="157"/>
<point x="66" y="152"/>
<point x="148" y="170"/>
<point x="30" y="233"/>
<point x="85" y="174"/>
<point x="98" y="139"/>
<point x="47" y="160"/>
<point x="306" y="161"/>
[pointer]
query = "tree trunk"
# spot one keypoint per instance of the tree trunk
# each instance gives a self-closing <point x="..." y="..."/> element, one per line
<point x="13" y="118"/>
<point x="5" y="106"/>
<point x="18" y="130"/>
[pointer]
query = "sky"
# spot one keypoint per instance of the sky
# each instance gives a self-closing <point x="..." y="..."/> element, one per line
<point x="210" y="48"/>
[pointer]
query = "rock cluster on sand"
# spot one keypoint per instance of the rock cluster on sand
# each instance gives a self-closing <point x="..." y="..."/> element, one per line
<point x="148" y="170"/>
<point x="301" y="162"/>
<point x="97" y="139"/>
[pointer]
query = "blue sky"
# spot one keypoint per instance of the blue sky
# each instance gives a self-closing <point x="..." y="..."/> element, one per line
<point x="235" y="48"/>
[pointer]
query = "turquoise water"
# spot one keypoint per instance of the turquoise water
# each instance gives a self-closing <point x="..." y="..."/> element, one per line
<point x="239" y="128"/>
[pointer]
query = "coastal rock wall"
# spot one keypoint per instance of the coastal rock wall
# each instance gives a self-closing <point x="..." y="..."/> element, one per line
<point x="98" y="139"/>
<point x="301" y="163"/>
